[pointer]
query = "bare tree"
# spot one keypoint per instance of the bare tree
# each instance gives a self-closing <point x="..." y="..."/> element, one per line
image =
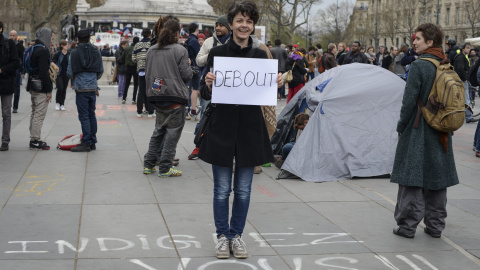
<point x="288" y="15"/>
<point x="408" y="17"/>
<point x="388" y="23"/>
<point x="42" y="12"/>
<point x="219" y="6"/>
<point x="327" y="24"/>
<point x="472" y="8"/>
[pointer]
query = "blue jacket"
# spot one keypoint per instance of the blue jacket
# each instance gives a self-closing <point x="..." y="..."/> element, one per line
<point x="193" y="48"/>
<point x="86" y="80"/>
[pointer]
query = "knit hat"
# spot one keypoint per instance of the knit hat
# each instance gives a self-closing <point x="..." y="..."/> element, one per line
<point x="223" y="20"/>
<point x="295" y="45"/>
<point x="201" y="36"/>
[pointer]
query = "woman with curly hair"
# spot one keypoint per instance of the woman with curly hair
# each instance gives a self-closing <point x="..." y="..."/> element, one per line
<point x="167" y="72"/>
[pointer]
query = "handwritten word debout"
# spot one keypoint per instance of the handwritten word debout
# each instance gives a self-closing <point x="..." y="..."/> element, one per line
<point x="235" y="78"/>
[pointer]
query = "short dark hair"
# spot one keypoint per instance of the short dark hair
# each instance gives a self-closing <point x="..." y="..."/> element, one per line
<point x="432" y="32"/>
<point x="311" y="48"/>
<point x="358" y="42"/>
<point x="192" y="27"/>
<point x="146" y="32"/>
<point x="135" y="40"/>
<point x="123" y="42"/>
<point x="319" y="46"/>
<point x="278" y="42"/>
<point x="466" y="44"/>
<point x="246" y="8"/>
<point x="62" y="43"/>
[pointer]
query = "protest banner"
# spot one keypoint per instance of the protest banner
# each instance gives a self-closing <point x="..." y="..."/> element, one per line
<point x="100" y="39"/>
<point x="245" y="81"/>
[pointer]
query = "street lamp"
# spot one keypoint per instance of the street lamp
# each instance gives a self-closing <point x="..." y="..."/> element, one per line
<point x="376" y="27"/>
<point x="310" y="38"/>
<point x="336" y="23"/>
<point x="438" y="12"/>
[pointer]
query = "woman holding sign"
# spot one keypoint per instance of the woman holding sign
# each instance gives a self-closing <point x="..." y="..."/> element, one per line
<point x="234" y="132"/>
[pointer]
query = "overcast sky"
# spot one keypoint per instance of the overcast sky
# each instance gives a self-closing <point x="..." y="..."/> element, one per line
<point x="325" y="4"/>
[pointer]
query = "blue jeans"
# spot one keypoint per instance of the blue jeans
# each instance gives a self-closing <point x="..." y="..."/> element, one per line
<point x="86" y="114"/>
<point x="222" y="187"/>
<point x="281" y="91"/>
<point x="468" y="114"/>
<point x="286" y="150"/>
<point x="310" y="75"/>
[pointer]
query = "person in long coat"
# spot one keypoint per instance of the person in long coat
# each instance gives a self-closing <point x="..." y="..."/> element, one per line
<point x="234" y="132"/>
<point x="423" y="167"/>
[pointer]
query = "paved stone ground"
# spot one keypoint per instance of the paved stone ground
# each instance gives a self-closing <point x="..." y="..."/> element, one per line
<point x="63" y="210"/>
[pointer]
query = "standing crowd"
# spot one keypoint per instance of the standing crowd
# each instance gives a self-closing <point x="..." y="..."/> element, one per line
<point x="235" y="139"/>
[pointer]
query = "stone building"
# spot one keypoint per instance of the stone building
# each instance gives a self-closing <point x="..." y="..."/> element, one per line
<point x="144" y="14"/>
<point x="397" y="19"/>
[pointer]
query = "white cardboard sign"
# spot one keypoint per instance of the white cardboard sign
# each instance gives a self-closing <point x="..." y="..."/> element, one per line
<point x="245" y="81"/>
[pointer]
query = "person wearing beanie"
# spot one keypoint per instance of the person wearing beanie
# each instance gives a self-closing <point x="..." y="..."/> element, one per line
<point x="219" y="37"/>
<point x="201" y="39"/>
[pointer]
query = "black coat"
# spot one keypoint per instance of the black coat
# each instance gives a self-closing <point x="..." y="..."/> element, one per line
<point x="41" y="62"/>
<point x="358" y="58"/>
<point x="9" y="63"/>
<point x="298" y="71"/>
<point x="235" y="131"/>
<point x="462" y="66"/>
<point x="21" y="51"/>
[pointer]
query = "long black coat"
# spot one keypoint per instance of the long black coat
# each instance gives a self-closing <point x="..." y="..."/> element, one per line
<point x="9" y="63"/>
<point x="235" y="130"/>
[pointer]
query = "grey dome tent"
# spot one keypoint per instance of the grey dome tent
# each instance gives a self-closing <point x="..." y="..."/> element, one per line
<point x="352" y="132"/>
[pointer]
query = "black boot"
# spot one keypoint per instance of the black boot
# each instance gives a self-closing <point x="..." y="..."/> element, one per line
<point x="82" y="147"/>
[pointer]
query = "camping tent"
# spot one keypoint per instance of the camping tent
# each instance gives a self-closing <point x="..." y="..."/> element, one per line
<point x="352" y="132"/>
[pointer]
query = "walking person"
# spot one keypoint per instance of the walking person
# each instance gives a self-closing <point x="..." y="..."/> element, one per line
<point x="424" y="165"/>
<point x="167" y="64"/>
<point x="295" y="63"/>
<point x="9" y="64"/>
<point x="131" y="71"/>
<point x="234" y="131"/>
<point x="193" y="48"/>
<point x="138" y="56"/>
<point x="121" y="68"/>
<point x="40" y="86"/>
<point x="86" y="67"/>
<point x="61" y="58"/>
<point x="311" y="63"/>
<point x="281" y="55"/>
<point x="18" y="79"/>
<point x="462" y="67"/>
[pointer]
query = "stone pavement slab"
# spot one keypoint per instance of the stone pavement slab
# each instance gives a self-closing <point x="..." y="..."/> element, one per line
<point x="64" y="210"/>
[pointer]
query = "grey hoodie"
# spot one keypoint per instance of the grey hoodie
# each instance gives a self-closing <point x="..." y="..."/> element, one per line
<point x="45" y="36"/>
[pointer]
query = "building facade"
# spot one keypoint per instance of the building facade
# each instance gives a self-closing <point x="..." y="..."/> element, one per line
<point x="396" y="20"/>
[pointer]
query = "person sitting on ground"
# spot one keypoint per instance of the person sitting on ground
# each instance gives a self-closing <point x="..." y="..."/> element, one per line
<point x="301" y="121"/>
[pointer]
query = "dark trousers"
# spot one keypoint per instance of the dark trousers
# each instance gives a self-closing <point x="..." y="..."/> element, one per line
<point x="16" y="95"/>
<point x="86" y="114"/>
<point x="6" y="103"/>
<point x="142" y="97"/>
<point x="168" y="129"/>
<point x="415" y="204"/>
<point x="128" y="79"/>
<point x="62" y="84"/>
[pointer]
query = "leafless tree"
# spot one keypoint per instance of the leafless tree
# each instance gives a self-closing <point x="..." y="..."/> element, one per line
<point x="42" y="12"/>
<point x="472" y="8"/>
<point x="325" y="22"/>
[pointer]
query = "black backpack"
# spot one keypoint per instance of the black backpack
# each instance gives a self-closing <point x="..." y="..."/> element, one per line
<point x="472" y="78"/>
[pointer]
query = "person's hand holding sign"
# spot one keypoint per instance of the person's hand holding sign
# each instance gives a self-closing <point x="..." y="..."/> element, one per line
<point x="280" y="81"/>
<point x="209" y="80"/>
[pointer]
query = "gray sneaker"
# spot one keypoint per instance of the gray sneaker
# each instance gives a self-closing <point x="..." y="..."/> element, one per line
<point x="222" y="248"/>
<point x="237" y="246"/>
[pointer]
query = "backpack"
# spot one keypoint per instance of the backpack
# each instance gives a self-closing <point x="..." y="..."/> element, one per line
<point x="445" y="108"/>
<point x="472" y="77"/>
<point x="321" y="65"/>
<point x="27" y="59"/>
<point x="69" y="142"/>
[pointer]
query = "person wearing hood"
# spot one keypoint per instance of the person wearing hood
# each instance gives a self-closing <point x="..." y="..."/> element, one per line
<point x="297" y="65"/>
<point x="452" y="50"/>
<point x="40" y="86"/>
<point x="86" y="67"/>
<point x="9" y="63"/>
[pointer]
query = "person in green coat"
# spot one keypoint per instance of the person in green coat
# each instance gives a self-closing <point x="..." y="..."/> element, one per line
<point x="424" y="166"/>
